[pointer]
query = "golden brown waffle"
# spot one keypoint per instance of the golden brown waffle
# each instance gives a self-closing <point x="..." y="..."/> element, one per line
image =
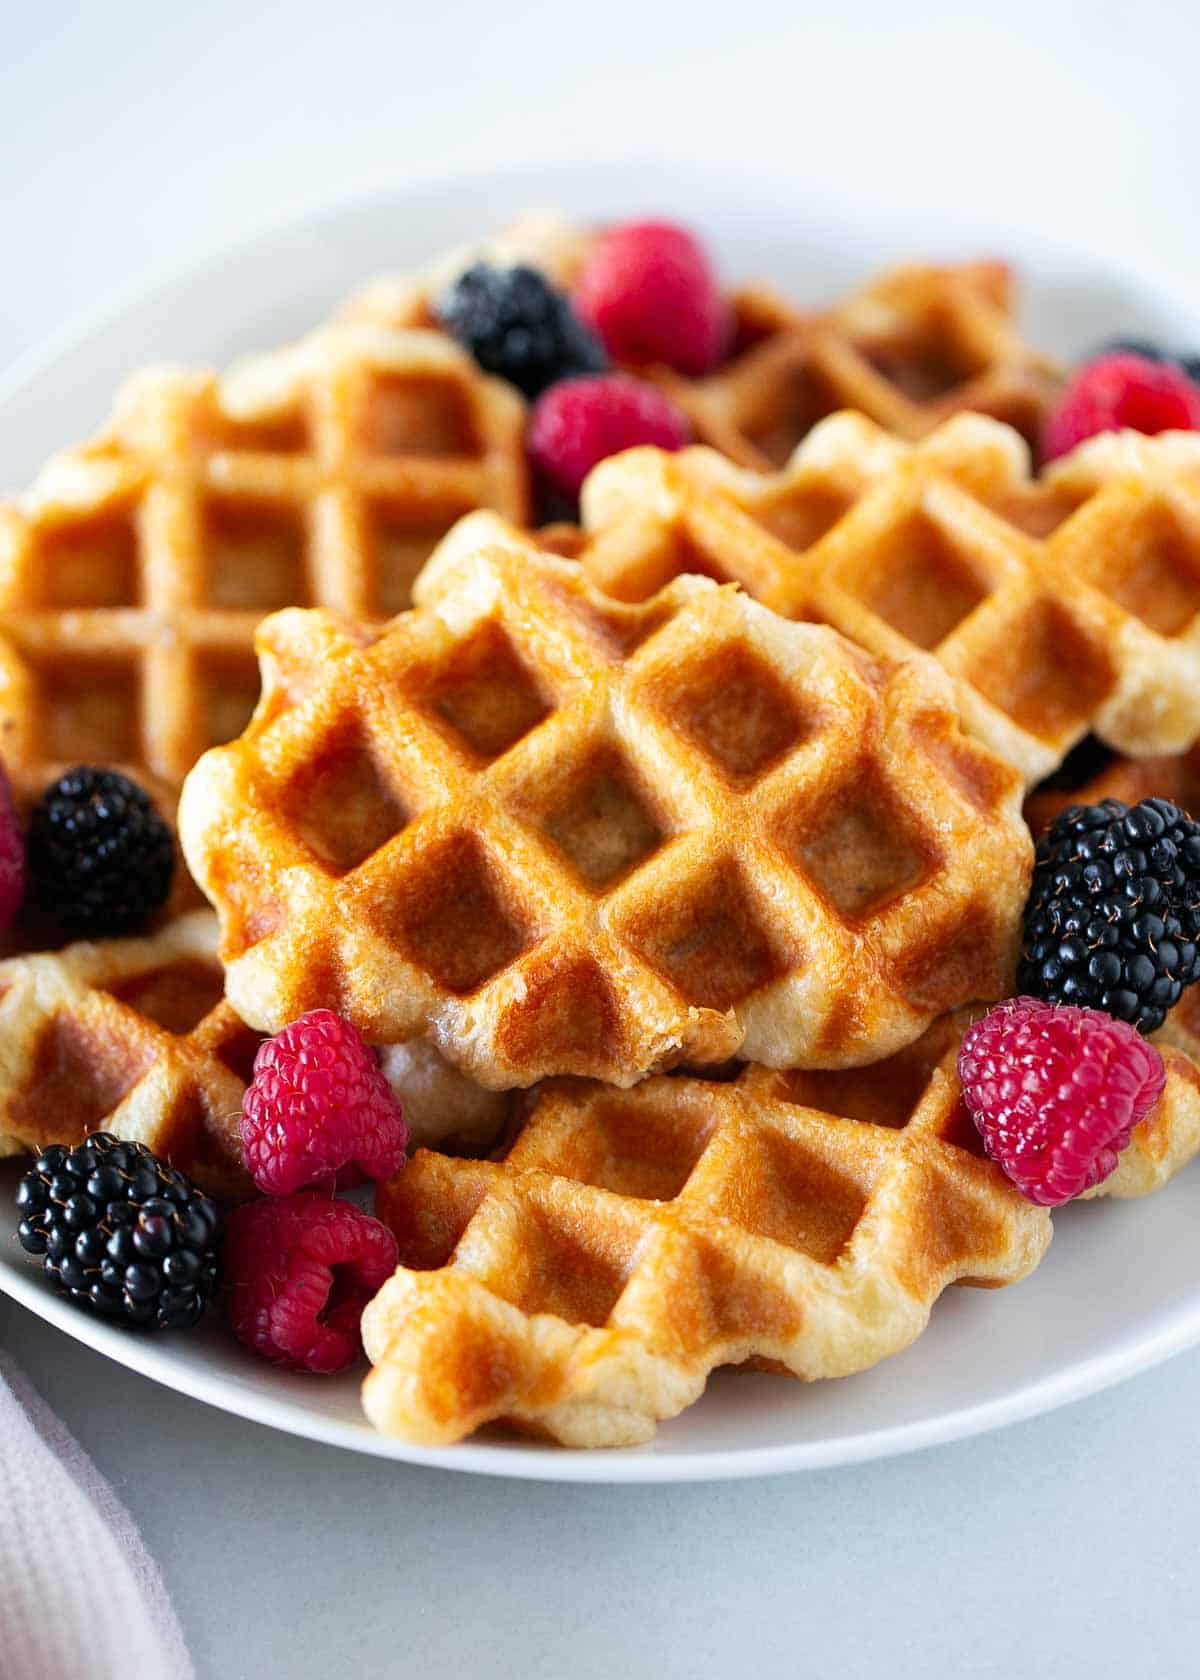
<point x="565" y="835"/>
<point x="630" y="1242"/>
<point x="583" y="1284"/>
<point x="886" y="1092"/>
<point x="1058" y="604"/>
<point x="133" y="1037"/>
<point x="134" y="573"/>
<point x="915" y="345"/>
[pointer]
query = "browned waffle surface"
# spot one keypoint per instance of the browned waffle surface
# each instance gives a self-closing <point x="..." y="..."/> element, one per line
<point x="134" y="573"/>
<point x="1059" y="605"/>
<point x="566" y="835"/>
<point x="918" y="343"/>
<point x="884" y="1092"/>
<point x="630" y="1242"/>
<point x="129" y="1036"/>
<point x="584" y="1283"/>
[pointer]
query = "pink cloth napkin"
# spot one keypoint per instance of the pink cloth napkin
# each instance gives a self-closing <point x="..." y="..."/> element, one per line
<point x="80" y="1596"/>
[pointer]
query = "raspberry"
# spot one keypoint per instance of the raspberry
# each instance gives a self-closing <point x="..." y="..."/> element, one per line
<point x="517" y="326"/>
<point x="1118" y="390"/>
<point x="649" y="290"/>
<point x="1056" y="1092"/>
<point x="1154" y="353"/>
<point x="582" y="421"/>
<point x="1113" y="918"/>
<point x="101" y="859"/>
<point x="297" y="1273"/>
<point x="317" y="1104"/>
<point x="12" y="854"/>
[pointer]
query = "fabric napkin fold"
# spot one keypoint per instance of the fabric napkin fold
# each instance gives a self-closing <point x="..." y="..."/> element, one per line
<point x="80" y="1596"/>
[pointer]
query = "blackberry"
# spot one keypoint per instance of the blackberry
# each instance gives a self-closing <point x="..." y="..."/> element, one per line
<point x="1113" y="915"/>
<point x="516" y="325"/>
<point x="122" y="1233"/>
<point x="100" y="857"/>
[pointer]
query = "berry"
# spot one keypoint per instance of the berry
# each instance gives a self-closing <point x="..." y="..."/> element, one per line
<point x="101" y="859"/>
<point x="1113" y="915"/>
<point x="1056" y="1092"/>
<point x="1153" y="353"/>
<point x="1118" y="390"/>
<point x="582" y="421"/>
<point x="297" y="1273"/>
<point x="122" y="1233"/>
<point x="12" y="854"/>
<point x="649" y="290"/>
<point x="316" y="1105"/>
<point x="516" y="325"/>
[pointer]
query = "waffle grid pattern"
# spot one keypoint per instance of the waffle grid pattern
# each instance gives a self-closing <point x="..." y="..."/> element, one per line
<point x="135" y="572"/>
<point x="133" y="1037"/>
<point x="918" y="343"/>
<point x="585" y="1286"/>
<point x="1058" y="605"/>
<point x="570" y="836"/>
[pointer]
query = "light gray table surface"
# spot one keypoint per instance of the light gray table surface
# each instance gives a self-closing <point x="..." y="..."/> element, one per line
<point x="1062" y="1547"/>
<point x="134" y="138"/>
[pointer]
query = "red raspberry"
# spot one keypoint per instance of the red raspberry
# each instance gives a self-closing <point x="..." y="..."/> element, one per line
<point x="297" y="1273"/>
<point x="318" y="1104"/>
<point x="581" y="421"/>
<point x="1056" y="1092"/>
<point x="12" y="854"/>
<point x="1121" y="390"/>
<point x="648" y="290"/>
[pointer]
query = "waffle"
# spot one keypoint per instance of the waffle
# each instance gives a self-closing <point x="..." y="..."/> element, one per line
<point x="1059" y="604"/>
<point x="917" y="344"/>
<point x="584" y="1283"/>
<point x="129" y="1036"/>
<point x="630" y="1242"/>
<point x="565" y="835"/>
<point x="134" y="573"/>
<point x="885" y="1093"/>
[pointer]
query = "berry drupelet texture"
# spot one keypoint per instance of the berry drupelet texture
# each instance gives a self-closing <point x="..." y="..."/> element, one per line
<point x="297" y="1273"/>
<point x="121" y="1232"/>
<point x="1056" y="1092"/>
<point x="516" y="325"/>
<point x="1113" y="916"/>
<point x="317" y="1105"/>
<point x="100" y="857"/>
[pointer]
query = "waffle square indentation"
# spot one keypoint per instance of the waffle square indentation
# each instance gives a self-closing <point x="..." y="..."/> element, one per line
<point x="734" y="707"/>
<point x="448" y="912"/>
<point x="859" y="852"/>
<point x="707" y="940"/>
<point x="256" y="554"/>
<point x="341" y="804"/>
<point x="486" y="694"/>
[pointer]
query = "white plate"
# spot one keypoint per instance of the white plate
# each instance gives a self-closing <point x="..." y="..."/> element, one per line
<point x="1120" y="1288"/>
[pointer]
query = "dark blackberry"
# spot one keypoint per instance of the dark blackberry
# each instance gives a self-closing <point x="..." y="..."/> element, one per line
<point x="100" y="857"/>
<point x="1113" y="916"/>
<point x="516" y="325"/>
<point x="122" y="1233"/>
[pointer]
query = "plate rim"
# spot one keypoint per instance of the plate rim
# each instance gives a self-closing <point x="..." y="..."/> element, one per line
<point x="855" y="211"/>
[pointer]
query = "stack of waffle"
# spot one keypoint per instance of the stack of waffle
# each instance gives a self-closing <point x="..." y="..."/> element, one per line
<point x="665" y="858"/>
